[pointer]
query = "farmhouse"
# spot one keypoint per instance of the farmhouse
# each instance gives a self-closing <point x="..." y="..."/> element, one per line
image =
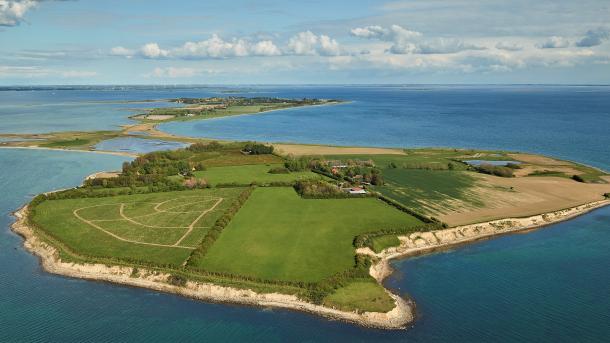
<point x="357" y="190"/>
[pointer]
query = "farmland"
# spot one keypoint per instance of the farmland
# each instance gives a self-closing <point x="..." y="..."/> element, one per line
<point x="305" y="240"/>
<point x="246" y="174"/>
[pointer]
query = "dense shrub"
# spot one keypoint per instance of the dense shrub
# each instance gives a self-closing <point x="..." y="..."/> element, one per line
<point x="258" y="149"/>
<point x="205" y="147"/>
<point x="298" y="164"/>
<point x="513" y="165"/>
<point x="495" y="170"/>
<point x="318" y="189"/>
<point x="279" y="170"/>
<point x="177" y="280"/>
<point x="607" y="195"/>
<point x="578" y="178"/>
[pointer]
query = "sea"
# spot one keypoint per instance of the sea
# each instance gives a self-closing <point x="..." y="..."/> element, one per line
<point x="548" y="285"/>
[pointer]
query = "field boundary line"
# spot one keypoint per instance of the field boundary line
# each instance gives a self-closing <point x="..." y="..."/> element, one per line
<point x="192" y="226"/>
<point x="75" y="213"/>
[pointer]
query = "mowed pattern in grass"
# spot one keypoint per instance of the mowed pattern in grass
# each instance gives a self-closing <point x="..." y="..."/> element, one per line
<point x="258" y="173"/>
<point x="159" y="227"/>
<point x="277" y="235"/>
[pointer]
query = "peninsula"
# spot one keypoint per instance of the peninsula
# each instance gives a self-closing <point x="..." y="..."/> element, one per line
<point x="301" y="227"/>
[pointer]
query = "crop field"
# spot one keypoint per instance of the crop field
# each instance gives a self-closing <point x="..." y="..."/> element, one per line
<point x="278" y="235"/>
<point x="158" y="227"/>
<point x="430" y="191"/>
<point x="258" y="173"/>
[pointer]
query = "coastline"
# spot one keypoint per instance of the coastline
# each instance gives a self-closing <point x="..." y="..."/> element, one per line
<point x="419" y="243"/>
<point x="400" y="317"/>
<point x="397" y="318"/>
<point x="116" y="153"/>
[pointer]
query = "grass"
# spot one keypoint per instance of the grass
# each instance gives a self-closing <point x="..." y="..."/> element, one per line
<point x="383" y="242"/>
<point x="58" y="220"/>
<point x="365" y="295"/>
<point x="429" y="191"/>
<point x="279" y="236"/>
<point x="233" y="157"/>
<point x="258" y="173"/>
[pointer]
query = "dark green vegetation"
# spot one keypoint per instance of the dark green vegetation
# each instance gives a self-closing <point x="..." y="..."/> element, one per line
<point x="496" y="170"/>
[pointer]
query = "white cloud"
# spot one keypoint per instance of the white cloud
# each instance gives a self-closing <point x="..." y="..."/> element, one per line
<point x="508" y="46"/>
<point x="445" y="46"/>
<point x="594" y="37"/>
<point x="152" y="50"/>
<point x="304" y="43"/>
<point x="265" y="48"/>
<point x="394" y="33"/>
<point x="13" y="11"/>
<point x="121" y="51"/>
<point x="329" y="46"/>
<point x="406" y="41"/>
<point x="554" y="42"/>
<point x="308" y="43"/>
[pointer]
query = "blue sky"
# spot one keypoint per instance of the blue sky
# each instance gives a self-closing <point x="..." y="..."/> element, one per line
<point x="268" y="41"/>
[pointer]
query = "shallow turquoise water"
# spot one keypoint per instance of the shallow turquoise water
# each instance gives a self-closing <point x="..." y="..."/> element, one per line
<point x="548" y="285"/>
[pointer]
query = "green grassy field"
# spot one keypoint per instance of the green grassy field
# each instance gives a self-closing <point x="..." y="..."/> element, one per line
<point x="383" y="242"/>
<point x="364" y="295"/>
<point x="246" y="174"/>
<point x="279" y="236"/>
<point x="161" y="228"/>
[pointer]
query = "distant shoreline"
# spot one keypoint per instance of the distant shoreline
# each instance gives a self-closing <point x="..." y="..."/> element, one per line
<point x="103" y="152"/>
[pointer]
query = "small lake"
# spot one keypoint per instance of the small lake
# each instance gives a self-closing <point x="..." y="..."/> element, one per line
<point x="138" y="145"/>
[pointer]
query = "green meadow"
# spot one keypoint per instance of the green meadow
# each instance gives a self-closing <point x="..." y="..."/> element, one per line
<point x="246" y="174"/>
<point x="277" y="235"/>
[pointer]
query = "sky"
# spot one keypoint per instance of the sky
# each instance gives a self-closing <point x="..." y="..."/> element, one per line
<point x="304" y="42"/>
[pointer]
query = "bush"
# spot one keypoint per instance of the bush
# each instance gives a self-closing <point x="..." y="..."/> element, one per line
<point x="205" y="147"/>
<point x="279" y="170"/>
<point x="176" y="280"/>
<point x="578" y="178"/>
<point x="319" y="189"/>
<point x="495" y="170"/>
<point x="607" y="195"/>
<point x="258" y="149"/>
<point x="298" y="164"/>
<point x="513" y="166"/>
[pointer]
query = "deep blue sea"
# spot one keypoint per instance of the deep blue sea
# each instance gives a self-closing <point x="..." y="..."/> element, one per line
<point x="548" y="285"/>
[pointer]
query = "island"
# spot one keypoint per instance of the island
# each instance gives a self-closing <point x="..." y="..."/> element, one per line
<point x="301" y="227"/>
